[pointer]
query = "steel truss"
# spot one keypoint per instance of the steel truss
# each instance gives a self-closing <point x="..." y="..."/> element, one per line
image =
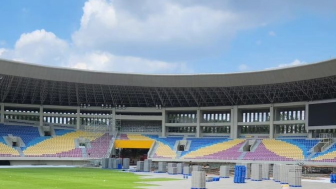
<point x="34" y="91"/>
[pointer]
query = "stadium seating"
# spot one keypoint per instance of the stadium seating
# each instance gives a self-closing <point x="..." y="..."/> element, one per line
<point x="262" y="153"/>
<point x="99" y="147"/>
<point x="217" y="151"/>
<point x="328" y="155"/>
<point x="60" y="146"/>
<point x="210" y="148"/>
<point x="198" y="143"/>
<point x="7" y="151"/>
<point x="303" y="144"/>
<point x="165" y="147"/>
<point x="283" y="149"/>
<point x="27" y="133"/>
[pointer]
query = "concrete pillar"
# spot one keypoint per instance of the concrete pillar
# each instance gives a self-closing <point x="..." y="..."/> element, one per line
<point x="306" y="116"/>
<point x="114" y="120"/>
<point x="198" y="127"/>
<point x="163" y="123"/>
<point x="78" y="122"/>
<point x="41" y="115"/>
<point x="2" y="119"/>
<point x="271" y="126"/>
<point x="234" y="123"/>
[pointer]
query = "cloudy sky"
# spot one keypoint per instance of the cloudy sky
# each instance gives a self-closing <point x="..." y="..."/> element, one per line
<point x="168" y="36"/>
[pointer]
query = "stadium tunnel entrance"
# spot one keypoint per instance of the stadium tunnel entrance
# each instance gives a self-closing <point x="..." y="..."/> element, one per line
<point x="4" y="163"/>
<point x="136" y="150"/>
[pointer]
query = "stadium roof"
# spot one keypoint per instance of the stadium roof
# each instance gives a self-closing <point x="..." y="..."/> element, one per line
<point x="35" y="84"/>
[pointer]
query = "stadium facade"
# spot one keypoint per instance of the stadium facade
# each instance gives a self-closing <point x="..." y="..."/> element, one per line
<point x="294" y="102"/>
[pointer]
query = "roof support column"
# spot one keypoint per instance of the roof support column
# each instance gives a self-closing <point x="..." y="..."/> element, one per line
<point x="271" y="121"/>
<point x="310" y="135"/>
<point x="163" y="134"/>
<point x="41" y="115"/>
<point x="198" y="127"/>
<point x="78" y="120"/>
<point x="2" y="119"/>
<point x="234" y="123"/>
<point x="114" y="121"/>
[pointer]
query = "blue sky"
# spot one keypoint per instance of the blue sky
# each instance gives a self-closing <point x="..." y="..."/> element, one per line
<point x="171" y="36"/>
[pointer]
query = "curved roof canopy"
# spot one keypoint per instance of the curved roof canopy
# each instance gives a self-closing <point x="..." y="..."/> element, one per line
<point x="34" y="84"/>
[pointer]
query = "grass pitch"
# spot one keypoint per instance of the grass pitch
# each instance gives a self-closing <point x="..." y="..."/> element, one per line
<point x="70" y="178"/>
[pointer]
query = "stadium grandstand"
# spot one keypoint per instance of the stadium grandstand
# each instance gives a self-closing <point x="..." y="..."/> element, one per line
<point x="55" y="115"/>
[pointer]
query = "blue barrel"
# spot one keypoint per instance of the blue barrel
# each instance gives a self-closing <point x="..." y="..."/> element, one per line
<point x="119" y="166"/>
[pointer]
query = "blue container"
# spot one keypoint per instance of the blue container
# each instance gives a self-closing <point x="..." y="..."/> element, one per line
<point x="333" y="178"/>
<point x="239" y="176"/>
<point x="119" y="166"/>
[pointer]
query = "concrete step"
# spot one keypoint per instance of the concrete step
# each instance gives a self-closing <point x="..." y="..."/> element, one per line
<point x="20" y="151"/>
<point x="311" y="155"/>
<point x="84" y="153"/>
<point x="242" y="156"/>
<point x="255" y="146"/>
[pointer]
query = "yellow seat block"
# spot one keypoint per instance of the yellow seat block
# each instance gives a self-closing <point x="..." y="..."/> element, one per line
<point x="60" y="144"/>
<point x="213" y="149"/>
<point x="283" y="149"/>
<point x="4" y="149"/>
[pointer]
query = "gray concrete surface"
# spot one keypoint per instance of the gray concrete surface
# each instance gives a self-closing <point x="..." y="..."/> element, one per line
<point x="323" y="183"/>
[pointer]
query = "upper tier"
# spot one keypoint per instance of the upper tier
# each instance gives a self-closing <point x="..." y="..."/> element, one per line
<point x="33" y="84"/>
<point x="283" y="75"/>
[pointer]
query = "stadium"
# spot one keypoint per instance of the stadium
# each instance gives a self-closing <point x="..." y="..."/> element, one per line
<point x="59" y="116"/>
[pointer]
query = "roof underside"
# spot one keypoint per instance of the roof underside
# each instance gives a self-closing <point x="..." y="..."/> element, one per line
<point x="14" y="89"/>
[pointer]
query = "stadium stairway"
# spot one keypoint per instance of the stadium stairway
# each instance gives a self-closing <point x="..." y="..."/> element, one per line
<point x="20" y="151"/>
<point x="328" y="154"/>
<point x="84" y="154"/>
<point x="255" y="145"/>
<point x="242" y="155"/>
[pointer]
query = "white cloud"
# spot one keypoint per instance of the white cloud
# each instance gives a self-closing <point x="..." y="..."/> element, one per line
<point x="243" y="67"/>
<point x="272" y="33"/>
<point x="40" y="47"/>
<point x="106" y="61"/>
<point x="102" y="23"/>
<point x="2" y="51"/>
<point x="150" y="36"/>
<point x="46" y="48"/>
<point x="296" y="62"/>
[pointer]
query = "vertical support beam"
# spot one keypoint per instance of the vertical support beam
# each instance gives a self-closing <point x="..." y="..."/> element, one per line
<point x="234" y="123"/>
<point x="78" y="122"/>
<point x="198" y="127"/>
<point x="41" y="115"/>
<point x="114" y="121"/>
<point x="163" y="122"/>
<point x="2" y="119"/>
<point x="271" y="121"/>
<point x="310" y="135"/>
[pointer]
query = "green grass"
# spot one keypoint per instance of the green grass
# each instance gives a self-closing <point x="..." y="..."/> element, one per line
<point x="70" y="178"/>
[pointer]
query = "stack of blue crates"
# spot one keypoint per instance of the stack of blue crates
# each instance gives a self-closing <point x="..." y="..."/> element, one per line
<point x="239" y="175"/>
<point x="333" y="178"/>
